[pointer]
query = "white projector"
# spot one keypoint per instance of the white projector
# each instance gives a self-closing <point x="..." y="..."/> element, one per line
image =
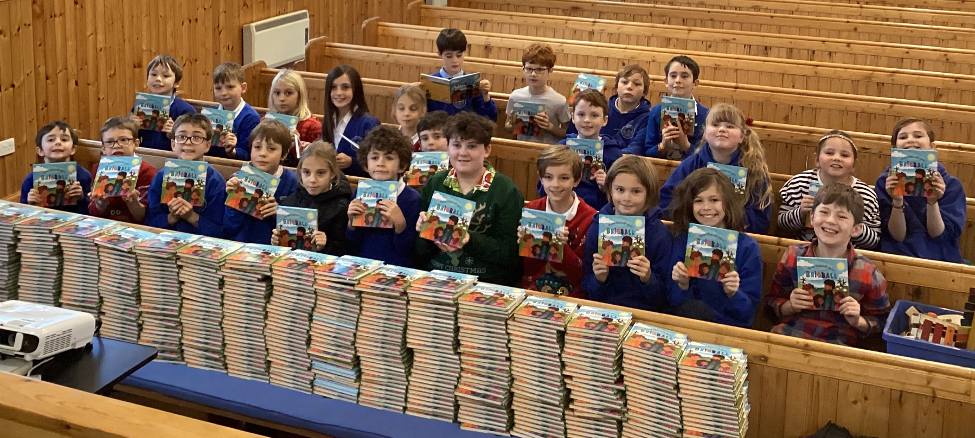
<point x="35" y="331"/>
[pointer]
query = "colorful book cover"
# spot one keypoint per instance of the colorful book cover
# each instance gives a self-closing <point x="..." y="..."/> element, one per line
<point x="370" y="192"/>
<point x="447" y="219"/>
<point x="296" y="226"/>
<point x="827" y="279"/>
<point x="86" y="227"/>
<point x="710" y="251"/>
<point x="255" y="188"/>
<point x="737" y="175"/>
<point x="286" y="119"/>
<point x="303" y="261"/>
<point x="261" y="255"/>
<point x="116" y="176"/>
<point x="391" y="277"/>
<point x="591" y="151"/>
<point x="541" y="239"/>
<point x="621" y="238"/>
<point x="51" y="183"/>
<point x="814" y="187"/>
<point x="679" y="112"/>
<point x="445" y="280"/>
<point x="601" y="320"/>
<point x="656" y="340"/>
<point x="48" y="219"/>
<point x="350" y="267"/>
<point x="584" y="82"/>
<point x="493" y="295"/>
<point x="914" y="169"/>
<point x="153" y="109"/>
<point x="553" y="310"/>
<point x="221" y="120"/>
<point x="456" y="91"/>
<point x="184" y="179"/>
<point x="123" y="238"/>
<point x="168" y="241"/>
<point x="210" y="248"/>
<point x="522" y="123"/>
<point x="13" y="213"/>
<point x="712" y="357"/>
<point x="424" y="165"/>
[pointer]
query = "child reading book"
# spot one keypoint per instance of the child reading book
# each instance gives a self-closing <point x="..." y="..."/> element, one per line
<point x="674" y="140"/>
<point x="289" y="95"/>
<point x="837" y="214"/>
<point x="120" y="138"/>
<point x="229" y="87"/>
<point x="430" y="132"/>
<point x="347" y="118"/>
<point x="451" y="45"/>
<point x="163" y="76"/>
<point x="731" y="295"/>
<point x="409" y="106"/>
<point x="56" y="143"/>
<point x="589" y="117"/>
<point x="547" y="112"/>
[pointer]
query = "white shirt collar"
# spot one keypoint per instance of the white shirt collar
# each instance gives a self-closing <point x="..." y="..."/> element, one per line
<point x="570" y="213"/>
<point x="443" y="73"/>
<point x="340" y="128"/>
<point x="240" y="107"/>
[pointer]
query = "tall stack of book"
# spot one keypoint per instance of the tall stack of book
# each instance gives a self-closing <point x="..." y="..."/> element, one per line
<point x="10" y="215"/>
<point x="484" y="391"/>
<point x="714" y="390"/>
<point x="650" y="356"/>
<point x="118" y="283"/>
<point x="592" y="371"/>
<point x="160" y="291"/>
<point x="537" y="332"/>
<point x="246" y="287"/>
<point x="40" y="257"/>
<point x="79" y="289"/>
<point x="431" y="332"/>
<point x="334" y="326"/>
<point x="202" y="300"/>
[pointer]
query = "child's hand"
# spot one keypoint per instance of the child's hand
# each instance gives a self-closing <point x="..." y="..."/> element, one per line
<point x="268" y="209"/>
<point x="890" y="184"/>
<point x="135" y="118"/>
<point x="420" y="220"/>
<point x="132" y="197"/>
<point x="731" y="282"/>
<point x="680" y="276"/>
<point x="356" y="208"/>
<point x="74" y="192"/>
<point x="343" y="160"/>
<point x="168" y="126"/>
<point x="32" y="197"/>
<point x="800" y="300"/>
<point x="98" y="200"/>
<point x="849" y="307"/>
<point x="318" y="238"/>
<point x="229" y="142"/>
<point x="937" y="189"/>
<point x="485" y="87"/>
<point x="275" y="240"/>
<point x="600" y="177"/>
<point x="599" y="268"/>
<point x="563" y="234"/>
<point x="389" y="210"/>
<point x="640" y="266"/>
<point x="520" y="233"/>
<point x="232" y="184"/>
<point x="541" y="119"/>
<point x="674" y="134"/>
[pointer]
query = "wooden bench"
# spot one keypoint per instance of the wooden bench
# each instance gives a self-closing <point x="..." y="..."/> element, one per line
<point x="938" y="5"/>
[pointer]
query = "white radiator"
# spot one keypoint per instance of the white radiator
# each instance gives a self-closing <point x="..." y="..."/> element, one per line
<point x="277" y="40"/>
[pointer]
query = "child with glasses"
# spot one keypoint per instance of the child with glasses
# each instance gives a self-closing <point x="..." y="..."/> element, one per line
<point x="120" y="137"/>
<point x="547" y="126"/>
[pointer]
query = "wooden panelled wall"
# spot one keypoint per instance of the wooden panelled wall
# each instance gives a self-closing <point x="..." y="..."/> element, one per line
<point x="81" y="61"/>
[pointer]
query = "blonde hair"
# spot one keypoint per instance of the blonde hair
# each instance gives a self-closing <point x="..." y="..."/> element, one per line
<point x="291" y="78"/>
<point x="324" y="150"/>
<point x="415" y="93"/>
<point x="752" y="154"/>
<point x="643" y="170"/>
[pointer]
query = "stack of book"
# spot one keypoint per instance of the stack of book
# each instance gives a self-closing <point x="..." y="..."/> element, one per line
<point x="592" y="371"/>
<point x="714" y="390"/>
<point x="431" y="332"/>
<point x="160" y="291"/>
<point x="118" y="283"/>
<point x="79" y="290"/>
<point x="650" y="356"/>
<point x="540" y="396"/>
<point x="10" y="215"/>
<point x="484" y="391"/>
<point x="246" y="287"/>
<point x="40" y="257"/>
<point x="334" y="326"/>
<point x="202" y="300"/>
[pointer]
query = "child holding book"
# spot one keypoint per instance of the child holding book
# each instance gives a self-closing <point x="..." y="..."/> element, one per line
<point x="928" y="226"/>
<point x="837" y="214"/>
<point x="681" y="75"/>
<point x="192" y="134"/>
<point x="628" y="108"/>
<point x="836" y="157"/>
<point x="537" y="63"/>
<point x="489" y="249"/>
<point x="229" y="87"/>
<point x="347" y="118"/>
<point x="409" y="106"/>
<point x="707" y="197"/>
<point x="729" y="141"/>
<point x="451" y="46"/>
<point x="324" y="188"/>
<point x="120" y="138"/>
<point x="589" y="117"/>
<point x="430" y="132"/>
<point x="269" y="141"/>
<point x="560" y="171"/>
<point x="385" y="154"/>
<point x="631" y="186"/>
<point x="163" y="75"/>
<point x="56" y="143"/>
<point x="289" y="95"/>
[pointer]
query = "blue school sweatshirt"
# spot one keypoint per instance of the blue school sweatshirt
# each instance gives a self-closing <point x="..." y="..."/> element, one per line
<point x="383" y="243"/>
<point x="243" y="227"/>
<point x="622" y="127"/>
<point x="244" y="122"/>
<point x="588" y="190"/>
<point x="356" y="130"/>
<point x="739" y="309"/>
<point x="84" y="178"/>
<point x="917" y="242"/>
<point x="486" y="109"/>
<point x="621" y="286"/>
<point x="211" y="214"/>
<point x="160" y="140"/>
<point x="648" y="143"/>
<point x="757" y="218"/>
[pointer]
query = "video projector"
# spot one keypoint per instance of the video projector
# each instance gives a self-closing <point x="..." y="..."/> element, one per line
<point x="35" y="331"/>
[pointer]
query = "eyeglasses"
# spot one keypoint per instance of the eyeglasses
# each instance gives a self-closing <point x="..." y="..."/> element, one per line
<point x="196" y="139"/>
<point x="537" y="71"/>
<point x="119" y="142"/>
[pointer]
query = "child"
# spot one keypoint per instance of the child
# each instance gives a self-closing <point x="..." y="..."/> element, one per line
<point x="120" y="137"/>
<point x="56" y="143"/>
<point x="290" y="96"/>
<point x="835" y="161"/>
<point x="324" y="188"/>
<point x="560" y="170"/>
<point x="837" y="213"/>
<point x="682" y="74"/>
<point x="268" y="142"/>
<point x="163" y="75"/>
<point x="729" y="141"/>
<point x="191" y="140"/>
<point x="589" y="117"/>
<point x="409" y="106"/>
<point x="926" y="227"/>
<point x="451" y="45"/>
<point x="631" y="185"/>
<point x="430" y="132"/>
<point x="537" y="63"/>
<point x="347" y="118"/>
<point x="228" y="90"/>
<point x="628" y="108"/>
<point x="386" y="154"/>
<point x="706" y="197"/>
<point x="490" y="250"/>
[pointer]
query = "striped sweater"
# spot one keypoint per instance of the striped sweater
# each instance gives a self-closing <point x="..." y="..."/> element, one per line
<point x="790" y="221"/>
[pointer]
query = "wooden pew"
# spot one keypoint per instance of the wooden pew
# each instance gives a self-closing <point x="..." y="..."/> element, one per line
<point x="938" y="5"/>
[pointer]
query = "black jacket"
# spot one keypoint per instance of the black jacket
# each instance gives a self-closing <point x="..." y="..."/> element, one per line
<point x="332" y="206"/>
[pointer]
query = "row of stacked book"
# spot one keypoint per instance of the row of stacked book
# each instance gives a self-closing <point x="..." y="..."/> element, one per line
<point x="434" y="344"/>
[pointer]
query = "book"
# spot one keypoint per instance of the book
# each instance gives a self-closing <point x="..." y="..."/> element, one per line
<point x="291" y="122"/>
<point x="296" y="226"/>
<point x="541" y="239"/>
<point x="710" y="252"/>
<point x="457" y="91"/>
<point x="370" y="192"/>
<point x="447" y="219"/>
<point x="523" y="125"/>
<point x="914" y="169"/>
<point x="621" y="238"/>
<point x="424" y="165"/>
<point x="153" y="109"/>
<point x="591" y="151"/>
<point x="51" y="183"/>
<point x="221" y="120"/>
<point x="679" y="112"/>
<point x="814" y="187"/>
<point x="116" y="176"/>
<point x="254" y="188"/>
<point x="584" y="82"/>
<point x="184" y="179"/>
<point x="737" y="175"/>
<point x="827" y="279"/>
